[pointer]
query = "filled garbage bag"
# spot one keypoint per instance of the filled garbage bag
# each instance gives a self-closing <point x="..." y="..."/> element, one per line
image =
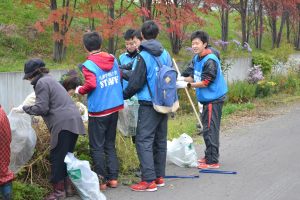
<point x="181" y="151"/>
<point x="84" y="179"/>
<point x="23" y="140"/>
<point x="128" y="117"/>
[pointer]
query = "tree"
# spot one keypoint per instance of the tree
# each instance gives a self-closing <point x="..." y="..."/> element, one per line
<point x="60" y="17"/>
<point x="177" y="16"/>
<point x="242" y="8"/>
<point x="258" y="22"/>
<point x="110" y="17"/>
<point x="224" y="9"/>
<point x="272" y="9"/>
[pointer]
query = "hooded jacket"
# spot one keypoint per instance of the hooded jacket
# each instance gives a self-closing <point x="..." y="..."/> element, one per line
<point x="105" y="62"/>
<point x="138" y="78"/>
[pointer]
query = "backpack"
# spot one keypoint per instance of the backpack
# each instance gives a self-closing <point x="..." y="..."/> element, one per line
<point x="165" y="98"/>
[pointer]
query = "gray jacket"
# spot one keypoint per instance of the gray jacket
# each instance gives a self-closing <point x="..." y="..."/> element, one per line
<point x="56" y="107"/>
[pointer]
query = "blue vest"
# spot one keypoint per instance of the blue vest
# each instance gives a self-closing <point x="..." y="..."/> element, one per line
<point x="108" y="93"/>
<point x="125" y="59"/>
<point x="217" y="88"/>
<point x="152" y="68"/>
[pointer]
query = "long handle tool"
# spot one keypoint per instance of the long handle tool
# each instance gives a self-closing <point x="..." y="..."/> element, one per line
<point x="212" y="171"/>
<point x="190" y="99"/>
<point x="192" y="176"/>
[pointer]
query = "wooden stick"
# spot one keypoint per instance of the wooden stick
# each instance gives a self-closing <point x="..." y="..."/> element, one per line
<point x="189" y="97"/>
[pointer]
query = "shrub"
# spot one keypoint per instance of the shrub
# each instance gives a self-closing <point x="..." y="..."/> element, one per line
<point x="282" y="54"/>
<point x="265" y="61"/>
<point x="265" y="88"/>
<point x="241" y="92"/>
<point x="255" y="74"/>
<point x="292" y="84"/>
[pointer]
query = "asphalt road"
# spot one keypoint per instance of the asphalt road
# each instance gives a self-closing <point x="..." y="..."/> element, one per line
<point x="266" y="156"/>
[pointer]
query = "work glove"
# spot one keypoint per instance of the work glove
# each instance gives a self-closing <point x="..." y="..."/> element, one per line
<point x="77" y="89"/>
<point x="18" y="109"/>
<point x="180" y="78"/>
<point x="181" y="84"/>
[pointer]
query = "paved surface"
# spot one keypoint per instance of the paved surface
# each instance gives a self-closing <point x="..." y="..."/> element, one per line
<point x="266" y="156"/>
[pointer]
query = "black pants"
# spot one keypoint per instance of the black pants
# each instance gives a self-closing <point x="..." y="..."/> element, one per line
<point x="211" y="119"/>
<point x="151" y="142"/>
<point x="102" y="140"/>
<point x="66" y="143"/>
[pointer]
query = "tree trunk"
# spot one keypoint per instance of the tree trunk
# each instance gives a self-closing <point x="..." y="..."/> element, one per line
<point x="261" y="24"/>
<point x="176" y="43"/>
<point x="243" y="13"/>
<point x="59" y="50"/>
<point x="256" y="22"/>
<point x="288" y="29"/>
<point x="224" y="25"/>
<point x="274" y="31"/>
<point x="297" y="43"/>
<point x="148" y="5"/>
<point x="111" y="40"/>
<point x="283" y="18"/>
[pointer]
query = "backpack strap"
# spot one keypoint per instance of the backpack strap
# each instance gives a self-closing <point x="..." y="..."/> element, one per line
<point x="160" y="66"/>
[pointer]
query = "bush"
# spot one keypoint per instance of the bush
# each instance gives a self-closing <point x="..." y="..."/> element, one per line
<point x="265" y="88"/>
<point x="241" y="92"/>
<point x="255" y="74"/>
<point x="23" y="191"/>
<point x="282" y="54"/>
<point x="265" y="61"/>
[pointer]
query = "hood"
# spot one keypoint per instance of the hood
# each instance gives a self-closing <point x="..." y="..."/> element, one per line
<point x="105" y="61"/>
<point x="153" y="47"/>
<point x="205" y="52"/>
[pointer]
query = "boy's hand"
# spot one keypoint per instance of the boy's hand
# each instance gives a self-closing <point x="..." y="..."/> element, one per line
<point x="181" y="84"/>
<point x="180" y="78"/>
<point x="77" y="89"/>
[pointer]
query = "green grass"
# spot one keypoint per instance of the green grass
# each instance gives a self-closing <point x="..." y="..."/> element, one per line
<point x="230" y="108"/>
<point x="182" y="124"/>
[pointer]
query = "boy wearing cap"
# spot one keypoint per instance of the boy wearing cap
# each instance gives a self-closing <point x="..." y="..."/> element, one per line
<point x="62" y="118"/>
<point x="105" y="99"/>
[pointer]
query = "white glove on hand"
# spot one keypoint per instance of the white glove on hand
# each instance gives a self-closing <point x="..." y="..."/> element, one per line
<point x="181" y="84"/>
<point x="77" y="89"/>
<point x="18" y="109"/>
<point x="180" y="78"/>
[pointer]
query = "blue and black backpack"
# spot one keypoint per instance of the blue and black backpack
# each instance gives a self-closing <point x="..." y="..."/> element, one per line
<point x="165" y="98"/>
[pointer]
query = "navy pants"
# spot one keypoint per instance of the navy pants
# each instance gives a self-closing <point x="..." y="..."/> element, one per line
<point x="151" y="142"/>
<point x="66" y="143"/>
<point x="211" y="119"/>
<point x="102" y="140"/>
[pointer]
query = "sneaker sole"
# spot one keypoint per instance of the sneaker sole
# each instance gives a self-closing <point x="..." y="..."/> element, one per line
<point x="160" y="185"/>
<point x="147" y="190"/>
<point x="209" y="168"/>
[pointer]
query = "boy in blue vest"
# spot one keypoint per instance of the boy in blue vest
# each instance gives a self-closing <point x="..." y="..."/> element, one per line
<point x="105" y="99"/>
<point x="211" y="90"/>
<point x="126" y="59"/>
<point x="132" y="37"/>
<point x="151" y="134"/>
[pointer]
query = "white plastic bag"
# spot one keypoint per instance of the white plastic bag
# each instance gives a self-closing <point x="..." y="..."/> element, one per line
<point x="85" y="180"/>
<point x="181" y="151"/>
<point x="23" y="140"/>
<point x="128" y="117"/>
